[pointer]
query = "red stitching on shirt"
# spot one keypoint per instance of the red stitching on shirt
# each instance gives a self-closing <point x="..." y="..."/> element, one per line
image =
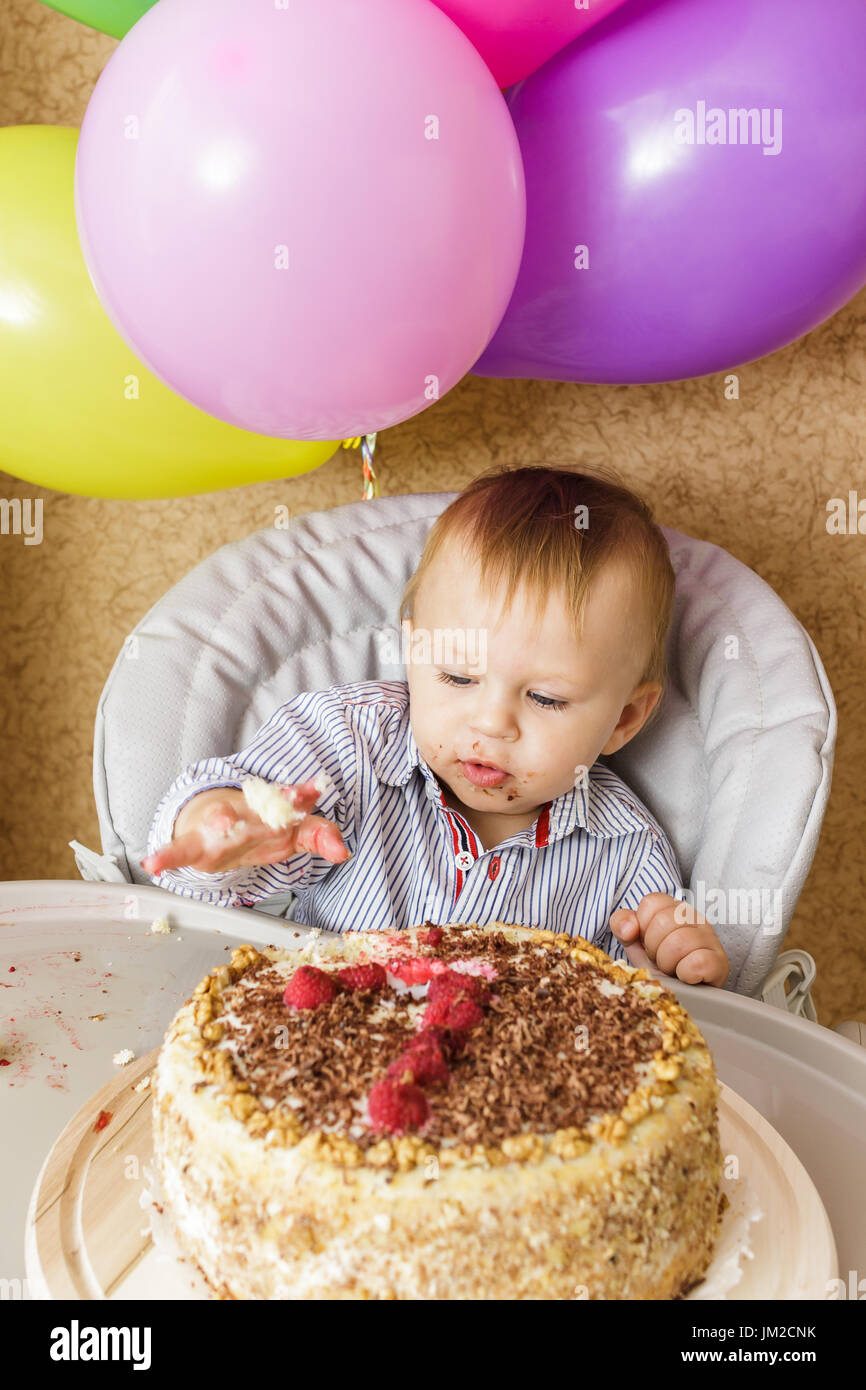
<point x="543" y="826"/>
<point x="455" y="842"/>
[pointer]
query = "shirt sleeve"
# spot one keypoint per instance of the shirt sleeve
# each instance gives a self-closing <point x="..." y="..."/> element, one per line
<point x="307" y="735"/>
<point x="653" y="870"/>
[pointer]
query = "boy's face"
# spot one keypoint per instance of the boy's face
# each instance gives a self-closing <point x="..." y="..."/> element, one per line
<point x="540" y="705"/>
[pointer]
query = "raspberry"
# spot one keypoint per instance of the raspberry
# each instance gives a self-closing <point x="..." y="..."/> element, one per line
<point x="424" y="1062"/>
<point x="417" y="970"/>
<point x="454" y="985"/>
<point x="364" y="977"/>
<point x="308" y="988"/>
<point x="459" y="1014"/>
<point x="448" y="1042"/>
<point x="396" y="1107"/>
<point x="431" y="937"/>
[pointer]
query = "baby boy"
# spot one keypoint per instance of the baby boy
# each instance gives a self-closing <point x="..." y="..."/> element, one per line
<point x="472" y="792"/>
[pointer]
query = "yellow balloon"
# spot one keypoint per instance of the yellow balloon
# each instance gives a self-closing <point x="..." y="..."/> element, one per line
<point x="78" y="411"/>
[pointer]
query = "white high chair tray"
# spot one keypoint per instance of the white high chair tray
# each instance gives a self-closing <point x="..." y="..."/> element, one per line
<point x="78" y="949"/>
<point x="87" y="1232"/>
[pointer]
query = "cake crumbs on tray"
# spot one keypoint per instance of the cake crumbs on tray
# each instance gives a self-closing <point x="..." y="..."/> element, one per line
<point x="143" y="1084"/>
<point x="96" y="1018"/>
<point x="123" y="1057"/>
<point x="160" y="927"/>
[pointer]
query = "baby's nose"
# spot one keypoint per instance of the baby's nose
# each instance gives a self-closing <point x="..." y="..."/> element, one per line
<point x="495" y="730"/>
<point x="495" y="723"/>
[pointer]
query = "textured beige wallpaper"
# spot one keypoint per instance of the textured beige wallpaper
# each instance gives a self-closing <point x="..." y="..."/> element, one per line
<point x="753" y="475"/>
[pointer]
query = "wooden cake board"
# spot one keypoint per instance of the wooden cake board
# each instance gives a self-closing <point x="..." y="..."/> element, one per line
<point x="87" y="1233"/>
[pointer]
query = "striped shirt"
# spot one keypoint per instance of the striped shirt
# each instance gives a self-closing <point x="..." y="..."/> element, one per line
<point x="415" y="859"/>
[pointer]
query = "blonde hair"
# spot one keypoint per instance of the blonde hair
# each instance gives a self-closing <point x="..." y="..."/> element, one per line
<point x="525" y="528"/>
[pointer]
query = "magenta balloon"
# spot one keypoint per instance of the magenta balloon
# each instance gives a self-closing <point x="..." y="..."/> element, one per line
<point x="307" y="220"/>
<point x="701" y="257"/>
<point x="514" y="37"/>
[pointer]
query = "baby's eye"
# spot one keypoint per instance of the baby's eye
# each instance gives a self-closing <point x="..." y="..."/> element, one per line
<point x="543" y="701"/>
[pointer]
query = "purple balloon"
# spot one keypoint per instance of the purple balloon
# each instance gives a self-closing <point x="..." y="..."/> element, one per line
<point x="711" y="240"/>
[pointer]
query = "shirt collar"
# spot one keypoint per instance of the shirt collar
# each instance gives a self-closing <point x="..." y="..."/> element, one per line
<point x="567" y="812"/>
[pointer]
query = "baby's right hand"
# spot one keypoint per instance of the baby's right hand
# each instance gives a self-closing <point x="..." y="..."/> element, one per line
<point x="216" y="831"/>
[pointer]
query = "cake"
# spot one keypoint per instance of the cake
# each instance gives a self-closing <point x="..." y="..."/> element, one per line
<point x="273" y="803"/>
<point x="456" y="1112"/>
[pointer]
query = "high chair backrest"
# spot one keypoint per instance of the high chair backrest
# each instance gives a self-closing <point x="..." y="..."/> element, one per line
<point x="736" y="767"/>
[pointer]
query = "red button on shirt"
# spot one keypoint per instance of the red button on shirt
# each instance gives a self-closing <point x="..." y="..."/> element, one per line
<point x="494" y="867"/>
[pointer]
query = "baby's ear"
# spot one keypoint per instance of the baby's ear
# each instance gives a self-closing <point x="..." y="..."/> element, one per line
<point x="646" y="699"/>
<point x="635" y="714"/>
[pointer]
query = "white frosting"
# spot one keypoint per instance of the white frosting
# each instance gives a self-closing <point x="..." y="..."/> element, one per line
<point x="322" y="783"/>
<point x="609" y="987"/>
<point x="273" y="806"/>
<point x="270" y="803"/>
<point x="214" y="839"/>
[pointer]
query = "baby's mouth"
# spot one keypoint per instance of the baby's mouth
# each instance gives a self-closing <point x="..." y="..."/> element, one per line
<point x="483" y="774"/>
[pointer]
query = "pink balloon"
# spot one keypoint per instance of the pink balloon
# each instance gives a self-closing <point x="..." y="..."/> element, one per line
<point x="307" y="221"/>
<point x="514" y="37"/>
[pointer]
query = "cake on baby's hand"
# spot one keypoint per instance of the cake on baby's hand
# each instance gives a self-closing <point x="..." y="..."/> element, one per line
<point x="444" y="1112"/>
<point x="273" y="802"/>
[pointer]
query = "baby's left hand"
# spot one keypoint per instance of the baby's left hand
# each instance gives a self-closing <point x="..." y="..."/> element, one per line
<point x="687" y="948"/>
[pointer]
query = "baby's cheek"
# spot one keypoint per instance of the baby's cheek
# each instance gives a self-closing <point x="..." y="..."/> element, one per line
<point x="431" y="752"/>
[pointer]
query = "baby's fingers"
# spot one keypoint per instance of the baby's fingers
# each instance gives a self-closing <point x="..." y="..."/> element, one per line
<point x="321" y="837"/>
<point x="301" y="796"/>
<point x="189" y="851"/>
<point x="638" y="957"/>
<point x="662" y="922"/>
<point x="218" y="843"/>
<point x="703" y="966"/>
<point x="624" y="924"/>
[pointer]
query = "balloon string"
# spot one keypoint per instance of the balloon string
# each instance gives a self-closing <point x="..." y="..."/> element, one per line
<point x="367" y="443"/>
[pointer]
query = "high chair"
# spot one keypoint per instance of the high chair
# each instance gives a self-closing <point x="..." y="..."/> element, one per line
<point x="736" y="767"/>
